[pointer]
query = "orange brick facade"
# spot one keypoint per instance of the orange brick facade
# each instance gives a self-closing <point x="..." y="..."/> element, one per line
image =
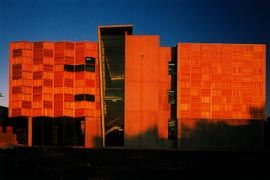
<point x="221" y="81"/>
<point x="44" y="81"/>
<point x="220" y="95"/>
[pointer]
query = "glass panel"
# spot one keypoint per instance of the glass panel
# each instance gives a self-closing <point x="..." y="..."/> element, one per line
<point x="90" y="68"/>
<point x="171" y="97"/>
<point x="113" y="57"/>
<point x="79" y="68"/>
<point x="90" y="60"/>
<point x="172" y="129"/>
<point x="79" y="97"/>
<point x="171" y="68"/>
<point x="89" y="97"/>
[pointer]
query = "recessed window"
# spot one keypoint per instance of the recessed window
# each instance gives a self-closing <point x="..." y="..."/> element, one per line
<point x="90" y="60"/>
<point x="89" y="97"/>
<point x="172" y="129"/>
<point x="90" y="68"/>
<point x="84" y="97"/>
<point x="171" y="68"/>
<point x="79" y="97"/>
<point x="171" y="96"/>
<point x="79" y="68"/>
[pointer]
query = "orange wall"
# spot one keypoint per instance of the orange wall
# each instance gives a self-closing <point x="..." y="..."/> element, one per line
<point x="146" y="88"/>
<point x="42" y="88"/>
<point x="221" y="81"/>
<point x="20" y="79"/>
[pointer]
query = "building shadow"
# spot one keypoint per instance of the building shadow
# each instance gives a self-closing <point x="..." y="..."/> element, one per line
<point x="4" y="116"/>
<point x="223" y="134"/>
<point x="143" y="140"/>
<point x="200" y="134"/>
<point x="267" y="134"/>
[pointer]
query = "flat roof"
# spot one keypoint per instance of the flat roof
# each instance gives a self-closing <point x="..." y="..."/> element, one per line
<point x="115" y="29"/>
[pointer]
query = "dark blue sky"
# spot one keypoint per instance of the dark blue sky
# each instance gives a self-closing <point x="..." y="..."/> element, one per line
<point x="223" y="21"/>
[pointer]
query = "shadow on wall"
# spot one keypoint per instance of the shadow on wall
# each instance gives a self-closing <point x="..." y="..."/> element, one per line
<point x="228" y="134"/>
<point x="221" y="135"/>
<point x="97" y="142"/>
<point x="256" y="112"/>
<point x="205" y="134"/>
<point x="267" y="135"/>
<point x="4" y="116"/>
<point x="148" y="139"/>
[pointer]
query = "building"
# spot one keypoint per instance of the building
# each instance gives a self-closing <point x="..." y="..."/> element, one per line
<point x="193" y="95"/>
<point x="3" y="116"/>
<point x="135" y="80"/>
<point x="221" y="95"/>
<point x="54" y="93"/>
<point x="7" y="138"/>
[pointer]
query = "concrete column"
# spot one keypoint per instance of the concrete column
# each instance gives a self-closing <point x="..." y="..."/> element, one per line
<point x="179" y="132"/>
<point x="92" y="133"/>
<point x="89" y="133"/>
<point x="30" y="132"/>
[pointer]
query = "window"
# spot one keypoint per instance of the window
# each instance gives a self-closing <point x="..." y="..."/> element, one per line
<point x="79" y="97"/>
<point x="171" y="97"/>
<point x="90" y="68"/>
<point x="89" y="97"/>
<point x="172" y="129"/>
<point x="171" y="68"/>
<point x="68" y="68"/>
<point x="79" y="68"/>
<point x="90" y="60"/>
<point x="84" y="97"/>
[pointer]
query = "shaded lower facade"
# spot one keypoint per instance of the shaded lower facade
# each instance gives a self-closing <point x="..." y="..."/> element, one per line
<point x="220" y="96"/>
<point x="215" y="134"/>
<point x="46" y="131"/>
<point x="53" y="86"/>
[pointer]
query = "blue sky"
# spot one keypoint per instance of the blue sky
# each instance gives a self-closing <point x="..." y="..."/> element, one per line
<point x="223" y="21"/>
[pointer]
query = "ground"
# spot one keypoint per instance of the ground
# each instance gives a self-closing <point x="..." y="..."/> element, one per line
<point x="78" y="163"/>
